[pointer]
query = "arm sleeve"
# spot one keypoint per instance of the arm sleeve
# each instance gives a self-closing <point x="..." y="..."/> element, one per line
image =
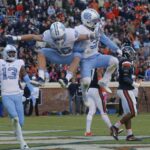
<point x="27" y="81"/>
<point x="110" y="44"/>
<point x="46" y="36"/>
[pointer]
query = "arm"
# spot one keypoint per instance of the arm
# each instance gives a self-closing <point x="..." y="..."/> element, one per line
<point x="110" y="44"/>
<point x="83" y="37"/>
<point x="31" y="37"/>
<point x="24" y="76"/>
<point x="33" y="91"/>
<point x="27" y="37"/>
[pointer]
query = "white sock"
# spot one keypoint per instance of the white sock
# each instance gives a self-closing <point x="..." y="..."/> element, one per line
<point x="88" y="122"/>
<point x="18" y="131"/>
<point x="41" y="73"/>
<point x="106" y="120"/>
<point x="118" y="124"/>
<point x="69" y="75"/>
<point x="129" y="132"/>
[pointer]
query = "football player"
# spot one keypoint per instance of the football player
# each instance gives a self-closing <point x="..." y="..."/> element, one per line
<point x="60" y="42"/>
<point x="125" y="92"/>
<point x="96" y="102"/>
<point x="11" y="71"/>
<point x="91" y="58"/>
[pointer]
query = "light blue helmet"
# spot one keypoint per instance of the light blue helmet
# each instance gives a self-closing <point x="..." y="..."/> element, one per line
<point x="58" y="33"/>
<point x="10" y="53"/>
<point x="90" y="17"/>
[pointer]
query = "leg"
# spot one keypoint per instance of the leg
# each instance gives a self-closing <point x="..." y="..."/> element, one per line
<point x="86" y="68"/>
<point x="71" y="71"/>
<point x="41" y="65"/>
<point x="129" y="108"/>
<point x="85" y="83"/>
<point x="19" y="121"/>
<point x="19" y="108"/>
<point x="52" y="56"/>
<point x="102" y="108"/>
<point x="70" y="104"/>
<point x="18" y="133"/>
<point x="92" y="110"/>
<point x="36" y="107"/>
<point x="128" y="103"/>
<point x="77" y="104"/>
<point x="11" y="103"/>
<point x="112" y="66"/>
<point x="72" y="68"/>
<point x="100" y="104"/>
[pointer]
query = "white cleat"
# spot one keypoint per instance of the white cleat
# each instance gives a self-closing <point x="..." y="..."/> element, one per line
<point x="25" y="147"/>
<point x="103" y="84"/>
<point x="64" y="83"/>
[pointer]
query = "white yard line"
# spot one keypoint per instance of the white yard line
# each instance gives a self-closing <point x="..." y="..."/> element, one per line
<point x="70" y="142"/>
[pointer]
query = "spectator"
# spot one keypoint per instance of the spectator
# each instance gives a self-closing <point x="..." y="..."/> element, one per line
<point x="147" y="73"/>
<point x="72" y="90"/>
<point x="53" y="75"/>
<point x="129" y="19"/>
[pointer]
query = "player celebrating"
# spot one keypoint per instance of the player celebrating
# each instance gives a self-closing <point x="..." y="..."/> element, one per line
<point x="61" y="41"/>
<point x="91" y="58"/>
<point x="95" y="101"/>
<point x="11" y="70"/>
<point x="125" y="92"/>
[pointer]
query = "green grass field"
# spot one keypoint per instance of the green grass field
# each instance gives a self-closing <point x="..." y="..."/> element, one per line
<point x="75" y="126"/>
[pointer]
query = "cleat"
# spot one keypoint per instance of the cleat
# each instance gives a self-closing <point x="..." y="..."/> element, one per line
<point x="120" y="131"/>
<point x="132" y="138"/>
<point x="25" y="147"/>
<point x="88" y="134"/>
<point x="103" y="84"/>
<point x="36" y="83"/>
<point x="114" y="132"/>
<point x="64" y="83"/>
<point x="41" y="81"/>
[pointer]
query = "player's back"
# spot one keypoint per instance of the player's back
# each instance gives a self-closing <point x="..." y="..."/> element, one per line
<point x="125" y="75"/>
<point x="90" y="46"/>
<point x="9" y="76"/>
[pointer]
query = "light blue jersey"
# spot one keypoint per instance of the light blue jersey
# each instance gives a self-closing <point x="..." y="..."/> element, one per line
<point x="52" y="54"/>
<point x="11" y="93"/>
<point x="91" y="58"/>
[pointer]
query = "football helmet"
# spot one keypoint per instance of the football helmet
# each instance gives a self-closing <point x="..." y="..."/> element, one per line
<point x="90" y="17"/>
<point x="58" y="33"/>
<point x="129" y="53"/>
<point x="10" y="53"/>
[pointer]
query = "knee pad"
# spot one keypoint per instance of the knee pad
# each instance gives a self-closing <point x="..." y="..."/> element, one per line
<point x="90" y="114"/>
<point x="113" y="61"/>
<point x="85" y="82"/>
<point x="15" y="120"/>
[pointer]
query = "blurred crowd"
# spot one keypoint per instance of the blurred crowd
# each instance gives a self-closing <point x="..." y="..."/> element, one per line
<point x="126" y="22"/>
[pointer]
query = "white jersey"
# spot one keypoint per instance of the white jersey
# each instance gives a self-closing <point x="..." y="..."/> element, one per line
<point x="9" y="76"/>
<point x="90" y="46"/>
<point x="71" y="37"/>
